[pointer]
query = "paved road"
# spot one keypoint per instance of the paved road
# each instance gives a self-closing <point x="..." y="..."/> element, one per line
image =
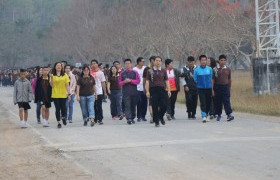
<point x="247" y="148"/>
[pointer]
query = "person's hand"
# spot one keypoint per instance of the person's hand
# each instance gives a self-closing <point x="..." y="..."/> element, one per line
<point x="109" y="91"/>
<point x="187" y="89"/>
<point x="213" y="93"/>
<point x="127" y="80"/>
<point x="169" y="94"/>
<point x="69" y="98"/>
<point x="78" y="98"/>
<point x="148" y="95"/>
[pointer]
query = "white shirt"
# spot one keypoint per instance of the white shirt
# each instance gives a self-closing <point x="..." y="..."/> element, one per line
<point x="99" y="77"/>
<point x="140" y="72"/>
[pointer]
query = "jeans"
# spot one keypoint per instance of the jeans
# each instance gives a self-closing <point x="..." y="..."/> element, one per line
<point x="142" y="105"/>
<point x="159" y="98"/>
<point x="60" y="108"/>
<point x="205" y="101"/>
<point x="98" y="108"/>
<point x="222" y="97"/>
<point x="130" y="102"/>
<point x="38" y="110"/>
<point x="87" y="106"/>
<point x="69" y="107"/>
<point x="116" y="103"/>
<point x="171" y="103"/>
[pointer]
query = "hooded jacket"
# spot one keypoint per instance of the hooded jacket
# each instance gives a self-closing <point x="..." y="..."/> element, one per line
<point x="22" y="91"/>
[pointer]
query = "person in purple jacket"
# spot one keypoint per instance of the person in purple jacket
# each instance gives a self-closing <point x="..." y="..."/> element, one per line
<point x="129" y="80"/>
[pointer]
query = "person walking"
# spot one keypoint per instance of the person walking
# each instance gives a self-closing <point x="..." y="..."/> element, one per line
<point x="23" y="96"/>
<point x="60" y="92"/>
<point x="43" y="93"/>
<point x="86" y="94"/>
<point x="156" y="84"/>
<point x="203" y="79"/>
<point x="100" y="84"/>
<point x="222" y="85"/>
<point x="152" y="61"/>
<point x="190" y="87"/>
<point x="34" y="84"/>
<point x="115" y="94"/>
<point x="213" y="64"/>
<point x="129" y="79"/>
<point x="72" y="86"/>
<point x="142" y="99"/>
<point x="174" y="81"/>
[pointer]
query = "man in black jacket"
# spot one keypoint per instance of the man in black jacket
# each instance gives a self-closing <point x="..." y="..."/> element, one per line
<point x="190" y="87"/>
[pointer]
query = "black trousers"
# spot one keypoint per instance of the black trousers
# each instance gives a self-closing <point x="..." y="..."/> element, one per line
<point x="130" y="102"/>
<point x="159" y="100"/>
<point x="171" y="103"/>
<point x="142" y="105"/>
<point x="222" y="97"/>
<point x="60" y="108"/>
<point x="98" y="108"/>
<point x="191" y="101"/>
<point x="205" y="101"/>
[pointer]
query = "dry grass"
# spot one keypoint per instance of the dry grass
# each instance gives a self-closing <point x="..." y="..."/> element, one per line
<point x="244" y="100"/>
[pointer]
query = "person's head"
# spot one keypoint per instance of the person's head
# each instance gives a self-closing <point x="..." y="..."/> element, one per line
<point x="85" y="71"/>
<point x="117" y="64"/>
<point x="58" y="68"/>
<point x="100" y="65"/>
<point x="67" y="69"/>
<point x="158" y="61"/>
<point x="191" y="61"/>
<point x="140" y="61"/>
<point x="23" y="73"/>
<point x="45" y="71"/>
<point x="94" y="64"/>
<point x="39" y="72"/>
<point x="128" y="63"/>
<point x="222" y="60"/>
<point x="113" y="71"/>
<point x="152" y="60"/>
<point x="203" y="60"/>
<point x="168" y="63"/>
<point x="107" y="66"/>
<point x="64" y="63"/>
<point x="211" y="62"/>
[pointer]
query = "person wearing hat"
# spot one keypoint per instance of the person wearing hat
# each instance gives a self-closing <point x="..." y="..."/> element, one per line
<point x="190" y="87"/>
<point x="23" y="96"/>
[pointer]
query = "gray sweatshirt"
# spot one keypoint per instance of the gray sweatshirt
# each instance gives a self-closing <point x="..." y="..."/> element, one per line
<point x="22" y="91"/>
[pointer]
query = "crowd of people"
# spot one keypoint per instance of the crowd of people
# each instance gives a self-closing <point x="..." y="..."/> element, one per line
<point x="132" y="90"/>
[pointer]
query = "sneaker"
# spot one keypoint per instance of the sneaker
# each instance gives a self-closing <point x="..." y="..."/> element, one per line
<point x="22" y="124"/>
<point x="173" y="118"/>
<point x="139" y="120"/>
<point x="204" y="120"/>
<point x="144" y="119"/>
<point x="128" y="122"/>
<point x="25" y="124"/>
<point x="113" y="118"/>
<point x="70" y="121"/>
<point x="207" y="119"/>
<point x="59" y="126"/>
<point x="162" y="122"/>
<point x="193" y="117"/>
<point x="100" y="122"/>
<point x="64" y="121"/>
<point x="168" y="116"/>
<point x="45" y="123"/>
<point x="133" y="122"/>
<point x="219" y="117"/>
<point x="212" y="117"/>
<point x="157" y="125"/>
<point x="92" y="123"/>
<point x="189" y="116"/>
<point x="39" y="121"/>
<point x="85" y="123"/>
<point x="151" y="120"/>
<point x="230" y="117"/>
<point x="121" y="118"/>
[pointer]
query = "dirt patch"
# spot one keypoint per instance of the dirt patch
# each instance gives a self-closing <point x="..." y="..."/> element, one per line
<point x="23" y="155"/>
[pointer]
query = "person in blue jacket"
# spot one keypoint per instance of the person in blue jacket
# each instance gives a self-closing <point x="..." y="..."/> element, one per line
<point x="203" y="79"/>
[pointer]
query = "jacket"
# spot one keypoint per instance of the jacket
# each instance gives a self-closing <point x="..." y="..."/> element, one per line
<point x="129" y="88"/>
<point x="22" y="91"/>
<point x="203" y="77"/>
<point x="40" y="96"/>
<point x="187" y="78"/>
<point x="73" y="83"/>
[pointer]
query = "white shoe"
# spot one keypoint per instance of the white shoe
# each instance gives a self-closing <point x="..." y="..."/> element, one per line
<point x="25" y="124"/>
<point x="45" y="123"/>
<point x="204" y="120"/>
<point x="22" y="124"/>
<point x="207" y="119"/>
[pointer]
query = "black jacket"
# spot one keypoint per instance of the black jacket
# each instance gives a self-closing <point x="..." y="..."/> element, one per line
<point x="39" y="92"/>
